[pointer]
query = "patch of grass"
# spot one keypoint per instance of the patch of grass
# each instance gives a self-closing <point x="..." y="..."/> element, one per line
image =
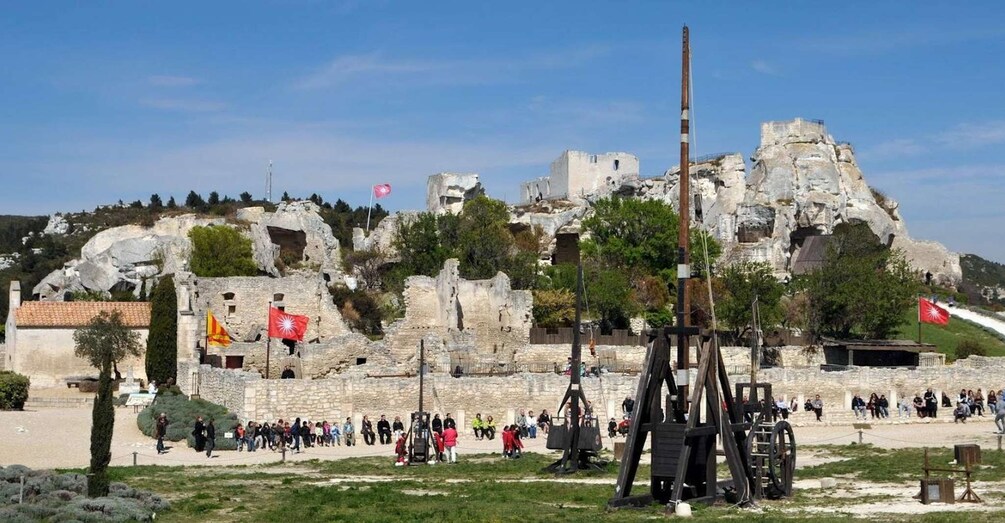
<point x="947" y="338"/>
<point x="487" y="488"/>
<point x="870" y="463"/>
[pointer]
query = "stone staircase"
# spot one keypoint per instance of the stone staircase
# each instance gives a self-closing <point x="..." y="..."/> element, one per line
<point x="58" y="402"/>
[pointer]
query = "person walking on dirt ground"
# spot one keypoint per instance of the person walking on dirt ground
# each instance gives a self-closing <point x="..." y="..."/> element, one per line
<point x="210" y="438"/>
<point x="199" y="433"/>
<point x="162" y="426"/>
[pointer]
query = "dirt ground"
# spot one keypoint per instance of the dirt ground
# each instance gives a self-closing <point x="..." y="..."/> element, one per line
<point x="60" y="438"/>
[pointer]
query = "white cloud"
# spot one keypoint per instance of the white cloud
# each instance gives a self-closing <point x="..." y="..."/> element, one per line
<point x="172" y="81"/>
<point x="974" y="135"/>
<point x="763" y="67"/>
<point x="370" y="66"/>
<point x="183" y="105"/>
<point x="896" y="148"/>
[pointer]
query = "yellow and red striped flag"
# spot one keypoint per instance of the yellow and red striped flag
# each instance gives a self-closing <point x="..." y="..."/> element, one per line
<point x="216" y="335"/>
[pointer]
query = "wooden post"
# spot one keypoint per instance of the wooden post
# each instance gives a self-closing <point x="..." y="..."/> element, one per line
<point x="268" y="345"/>
<point x="683" y="233"/>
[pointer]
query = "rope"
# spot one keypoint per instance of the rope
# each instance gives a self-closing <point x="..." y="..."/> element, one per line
<point x="829" y="439"/>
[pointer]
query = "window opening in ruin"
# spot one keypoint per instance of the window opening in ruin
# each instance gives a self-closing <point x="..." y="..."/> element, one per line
<point x="287" y="374"/>
<point x="231" y="309"/>
<point x="278" y="296"/>
<point x="617" y="163"/>
<point x="228" y="296"/>
<point x="291" y="345"/>
<point x="235" y="362"/>
<point x="360" y="361"/>
<point x="593" y="158"/>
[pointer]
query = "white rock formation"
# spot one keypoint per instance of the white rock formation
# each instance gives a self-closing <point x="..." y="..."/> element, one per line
<point x="295" y="228"/>
<point x="122" y="257"/>
<point x="381" y="238"/>
<point x="447" y="192"/>
<point x="57" y="225"/>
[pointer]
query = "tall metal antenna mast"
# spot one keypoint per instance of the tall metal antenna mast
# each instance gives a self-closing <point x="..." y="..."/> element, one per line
<point x="268" y="183"/>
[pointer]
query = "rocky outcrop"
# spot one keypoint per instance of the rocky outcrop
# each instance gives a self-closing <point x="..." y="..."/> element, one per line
<point x="122" y="258"/>
<point x="295" y="234"/>
<point x="447" y="192"/>
<point x="381" y="238"/>
<point x="802" y="183"/>
<point x="57" y="225"/>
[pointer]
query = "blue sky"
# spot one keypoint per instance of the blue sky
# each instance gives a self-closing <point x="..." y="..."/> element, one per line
<point x="118" y="101"/>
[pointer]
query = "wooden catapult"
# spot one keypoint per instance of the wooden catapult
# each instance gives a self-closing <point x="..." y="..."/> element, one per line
<point x="945" y="485"/>
<point x="760" y="455"/>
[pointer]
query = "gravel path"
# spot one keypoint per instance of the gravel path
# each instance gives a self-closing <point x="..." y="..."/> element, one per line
<point x="59" y="438"/>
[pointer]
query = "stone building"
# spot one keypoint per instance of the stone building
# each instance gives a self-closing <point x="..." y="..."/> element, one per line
<point x="40" y="337"/>
<point x="447" y="192"/>
<point x="578" y="175"/>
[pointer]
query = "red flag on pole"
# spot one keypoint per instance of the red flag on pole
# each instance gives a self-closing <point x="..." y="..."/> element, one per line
<point x="287" y="326"/>
<point x="381" y="190"/>
<point x="929" y="312"/>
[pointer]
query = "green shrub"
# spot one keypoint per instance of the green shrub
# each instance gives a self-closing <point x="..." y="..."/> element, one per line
<point x="13" y="390"/>
<point x="970" y="347"/>
<point x="181" y="413"/>
<point x="59" y="497"/>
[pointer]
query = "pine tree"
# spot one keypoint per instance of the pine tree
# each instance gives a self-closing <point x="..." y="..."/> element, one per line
<point x="194" y="201"/>
<point x="162" y="342"/>
<point x="171" y="203"/>
<point x="246" y="197"/>
<point x="155" y="201"/>
<point x="214" y="198"/>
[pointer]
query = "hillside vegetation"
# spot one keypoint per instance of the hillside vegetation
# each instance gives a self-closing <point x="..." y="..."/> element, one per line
<point x="983" y="277"/>
<point x="947" y="338"/>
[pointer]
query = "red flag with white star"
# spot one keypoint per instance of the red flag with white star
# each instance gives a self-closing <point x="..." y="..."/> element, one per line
<point x="287" y="326"/>
<point x="381" y="190"/>
<point x="929" y="312"/>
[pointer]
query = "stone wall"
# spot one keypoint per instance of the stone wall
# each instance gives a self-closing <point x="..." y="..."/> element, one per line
<point x="355" y="395"/>
<point x="241" y="304"/>
<point x="481" y="317"/>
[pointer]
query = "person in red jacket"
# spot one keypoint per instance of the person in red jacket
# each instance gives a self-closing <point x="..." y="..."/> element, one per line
<point x="450" y="442"/>
<point x="401" y="449"/>
<point x="507" y="441"/>
<point x="438" y="446"/>
<point x="516" y="444"/>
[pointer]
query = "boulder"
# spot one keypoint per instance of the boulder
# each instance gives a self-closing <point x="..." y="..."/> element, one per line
<point x="57" y="225"/>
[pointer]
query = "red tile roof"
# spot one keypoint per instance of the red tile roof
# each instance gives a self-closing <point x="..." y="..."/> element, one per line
<point x="75" y="314"/>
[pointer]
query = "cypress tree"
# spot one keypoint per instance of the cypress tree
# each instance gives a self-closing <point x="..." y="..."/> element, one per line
<point x="104" y="341"/>
<point x="162" y="344"/>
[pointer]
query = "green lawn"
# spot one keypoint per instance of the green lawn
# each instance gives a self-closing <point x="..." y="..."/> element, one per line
<point x="486" y="488"/>
<point x="948" y="337"/>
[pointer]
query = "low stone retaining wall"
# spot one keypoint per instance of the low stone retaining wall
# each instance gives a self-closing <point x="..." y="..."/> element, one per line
<point x="252" y="397"/>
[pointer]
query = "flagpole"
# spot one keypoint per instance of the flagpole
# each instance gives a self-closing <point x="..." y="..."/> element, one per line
<point x="919" y="319"/>
<point x="368" y="209"/>
<point x="268" y="342"/>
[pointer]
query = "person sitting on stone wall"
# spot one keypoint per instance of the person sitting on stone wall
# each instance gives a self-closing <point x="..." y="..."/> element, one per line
<point x="979" y="402"/>
<point x="946" y="401"/>
<point x="612" y="428"/>
<point x="521" y="422"/>
<point x="961" y="413"/>
<point x="992" y="401"/>
<point x="319" y="434"/>
<point x="384" y="430"/>
<point x="336" y="434"/>
<point x="904" y="407"/>
<point x="782" y="407"/>
<point x="544" y="421"/>
<point x="858" y="406"/>
<point x="368" y="436"/>
<point x="489" y="428"/>
<point x="531" y="425"/>
<point x="326" y="431"/>
<point x="883" y="407"/>
<point x="919" y="406"/>
<point x="872" y="405"/>
<point x="476" y="426"/>
<point x="397" y="428"/>
<point x="349" y="433"/>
